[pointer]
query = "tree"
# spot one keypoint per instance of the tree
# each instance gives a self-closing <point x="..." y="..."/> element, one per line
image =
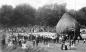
<point x="23" y="15"/>
<point x="81" y="16"/>
<point x="6" y="11"/>
<point x="50" y="14"/>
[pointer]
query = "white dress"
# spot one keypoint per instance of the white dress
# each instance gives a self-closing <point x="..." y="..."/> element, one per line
<point x="10" y="44"/>
<point x="24" y="46"/>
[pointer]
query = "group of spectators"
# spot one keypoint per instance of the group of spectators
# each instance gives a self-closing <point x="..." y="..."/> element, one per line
<point x="21" y="40"/>
<point x="30" y="28"/>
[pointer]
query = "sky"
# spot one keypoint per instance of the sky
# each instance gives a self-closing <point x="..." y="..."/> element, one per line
<point x="71" y="4"/>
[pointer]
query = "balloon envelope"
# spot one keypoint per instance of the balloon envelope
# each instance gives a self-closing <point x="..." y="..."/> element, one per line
<point x="66" y="23"/>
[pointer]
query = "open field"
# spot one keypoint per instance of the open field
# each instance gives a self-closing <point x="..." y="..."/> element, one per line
<point x="80" y="47"/>
<point x="53" y="47"/>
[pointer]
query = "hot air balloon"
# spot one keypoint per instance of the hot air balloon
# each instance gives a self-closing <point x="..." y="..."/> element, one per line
<point x="67" y="25"/>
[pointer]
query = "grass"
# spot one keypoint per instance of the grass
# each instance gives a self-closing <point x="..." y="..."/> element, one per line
<point x="35" y="49"/>
<point x="80" y="48"/>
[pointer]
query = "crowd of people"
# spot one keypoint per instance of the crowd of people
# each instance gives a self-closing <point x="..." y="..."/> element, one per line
<point x="31" y="28"/>
<point x="19" y="36"/>
<point x="21" y="40"/>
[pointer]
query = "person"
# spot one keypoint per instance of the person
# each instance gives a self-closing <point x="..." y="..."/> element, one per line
<point x="66" y="45"/>
<point x="60" y="39"/>
<point x="24" y="45"/>
<point x="3" y="41"/>
<point x="20" y="43"/>
<point x="84" y="41"/>
<point x="71" y="42"/>
<point x="62" y="46"/>
<point x="10" y="44"/>
<point x="34" y="41"/>
<point x="78" y="39"/>
<point x="37" y="41"/>
<point x="57" y="39"/>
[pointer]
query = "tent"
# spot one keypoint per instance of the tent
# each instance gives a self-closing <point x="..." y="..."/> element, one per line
<point x="67" y="23"/>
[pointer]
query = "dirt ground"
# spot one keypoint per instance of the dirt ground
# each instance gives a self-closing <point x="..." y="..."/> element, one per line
<point x="79" y="47"/>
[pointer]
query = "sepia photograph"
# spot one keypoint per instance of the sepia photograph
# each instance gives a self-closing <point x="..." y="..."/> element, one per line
<point x="42" y="25"/>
